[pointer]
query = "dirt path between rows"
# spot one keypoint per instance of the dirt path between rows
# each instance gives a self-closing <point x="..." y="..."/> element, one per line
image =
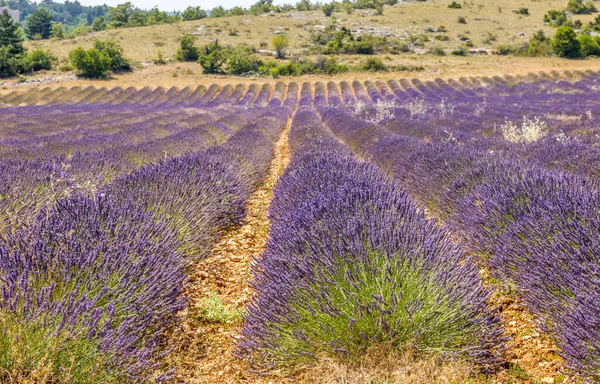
<point x="204" y="348"/>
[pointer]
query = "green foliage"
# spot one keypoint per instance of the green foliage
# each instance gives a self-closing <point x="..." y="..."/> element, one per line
<point x="379" y="9"/>
<point x="39" y="59"/>
<point x="578" y="7"/>
<point x="115" y="52"/>
<point x="28" y="351"/>
<point x="438" y="51"/>
<point x="212" y="310"/>
<point x="10" y="64"/>
<point x="565" y="43"/>
<point x="39" y="23"/>
<point x="193" y="13"/>
<point x="160" y="60"/>
<point x="218" y="12"/>
<point x="237" y="11"/>
<point x="373" y="64"/>
<point x="589" y="46"/>
<point x="119" y="16"/>
<point x="91" y="63"/>
<point x="241" y="61"/>
<point x="187" y="50"/>
<point x="280" y="43"/>
<point x="213" y="58"/>
<point x="522" y="11"/>
<point x="454" y="5"/>
<point x="322" y="65"/>
<point x="11" y="35"/>
<point x="99" y="24"/>
<point x="460" y="51"/>
<point x="556" y="18"/>
<point x="328" y="9"/>
<point x="58" y="31"/>
<point x="435" y="325"/>
<point x="539" y="45"/>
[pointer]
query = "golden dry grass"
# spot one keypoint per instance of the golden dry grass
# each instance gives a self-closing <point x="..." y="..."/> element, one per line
<point x="483" y="17"/>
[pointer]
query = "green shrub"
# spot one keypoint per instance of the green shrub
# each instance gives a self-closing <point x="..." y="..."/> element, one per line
<point x="240" y="61"/>
<point x="187" y="50"/>
<point x="280" y="43"/>
<point x="522" y="11"/>
<point x="442" y="37"/>
<point x="462" y="20"/>
<point x="10" y="64"/>
<point x="438" y="51"/>
<point x="328" y="9"/>
<point x="39" y="59"/>
<point x="115" y="52"/>
<point x="505" y="49"/>
<point x="565" y="43"/>
<point x="99" y="24"/>
<point x="589" y="46"/>
<point x="373" y="64"/>
<point x="91" y="63"/>
<point x="213" y="58"/>
<point x="555" y="18"/>
<point x="160" y="60"/>
<point x="578" y="7"/>
<point x="454" y="5"/>
<point x="460" y="51"/>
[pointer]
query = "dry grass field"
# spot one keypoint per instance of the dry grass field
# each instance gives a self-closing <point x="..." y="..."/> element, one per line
<point x="483" y="18"/>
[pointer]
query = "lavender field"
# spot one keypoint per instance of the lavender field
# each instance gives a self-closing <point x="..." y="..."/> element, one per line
<point x="405" y="205"/>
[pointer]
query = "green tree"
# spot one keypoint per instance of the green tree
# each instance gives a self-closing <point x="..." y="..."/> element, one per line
<point x="137" y="19"/>
<point x="39" y="24"/>
<point x="11" y="35"/>
<point x="156" y="16"/>
<point x="193" y="13"/>
<point x="90" y="63"/>
<point x="115" y="52"/>
<point x="280" y="43"/>
<point x="119" y="15"/>
<point x="58" y="31"/>
<point x="9" y="63"/>
<point x="38" y="59"/>
<point x="589" y="46"/>
<point x="99" y="24"/>
<point x="187" y="50"/>
<point x="565" y="43"/>
<point x="218" y="12"/>
<point x="213" y="58"/>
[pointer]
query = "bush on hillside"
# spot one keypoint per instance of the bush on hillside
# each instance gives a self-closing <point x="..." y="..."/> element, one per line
<point x="90" y="63"/>
<point x="213" y="58"/>
<point x="187" y="50"/>
<point x="589" y="46"/>
<point x="578" y="7"/>
<point x="39" y="59"/>
<point x="115" y="52"/>
<point x="454" y="5"/>
<point x="565" y="43"/>
<point x="373" y="64"/>
<point x="328" y="9"/>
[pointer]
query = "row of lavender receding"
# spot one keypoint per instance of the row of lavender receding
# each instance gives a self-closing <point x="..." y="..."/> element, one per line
<point x="93" y="283"/>
<point x="351" y="263"/>
<point x="536" y="228"/>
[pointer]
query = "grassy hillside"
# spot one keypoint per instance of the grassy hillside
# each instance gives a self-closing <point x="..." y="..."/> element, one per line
<point x="484" y="19"/>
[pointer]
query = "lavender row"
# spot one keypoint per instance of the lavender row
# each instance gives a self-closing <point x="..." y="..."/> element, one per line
<point x="28" y="185"/>
<point x="351" y="263"/>
<point x="102" y="277"/>
<point x="534" y="227"/>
